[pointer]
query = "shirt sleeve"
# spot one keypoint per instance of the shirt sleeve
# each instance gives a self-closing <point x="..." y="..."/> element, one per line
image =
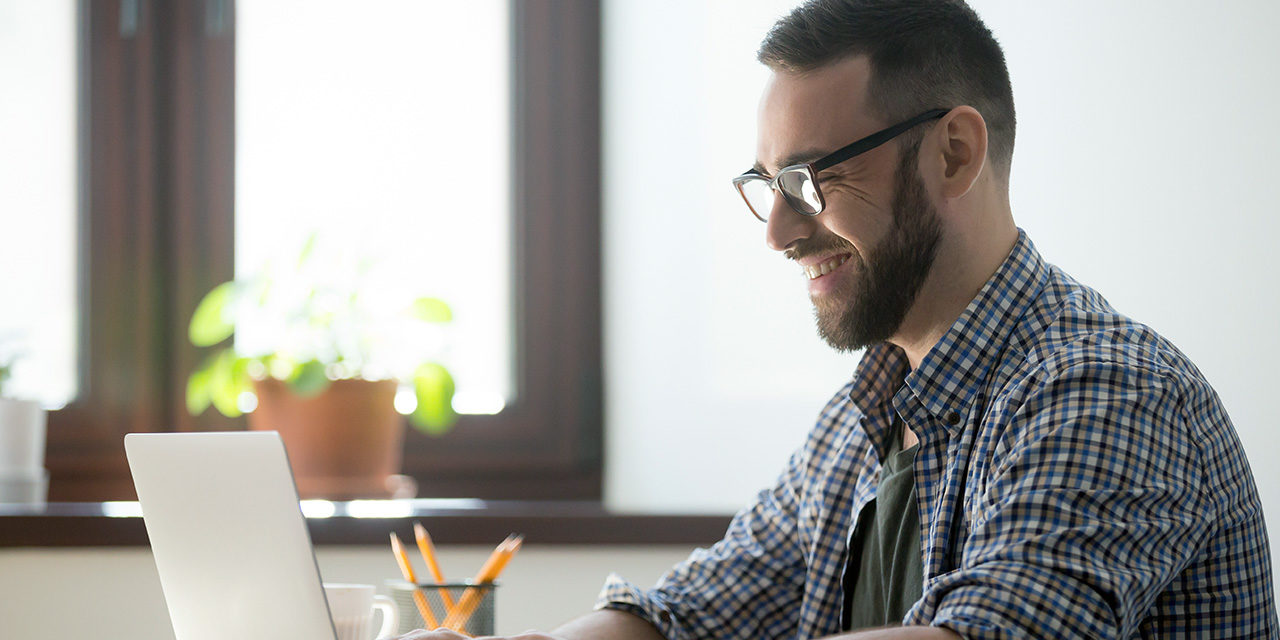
<point x="1093" y="504"/>
<point x="749" y="584"/>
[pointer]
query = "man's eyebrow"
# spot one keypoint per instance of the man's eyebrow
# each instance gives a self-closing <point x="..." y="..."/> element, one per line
<point x="800" y="157"/>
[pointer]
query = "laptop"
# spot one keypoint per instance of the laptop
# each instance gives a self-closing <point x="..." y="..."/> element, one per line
<point x="229" y="539"/>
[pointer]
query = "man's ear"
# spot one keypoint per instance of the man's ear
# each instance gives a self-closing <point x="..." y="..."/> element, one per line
<point x="961" y="138"/>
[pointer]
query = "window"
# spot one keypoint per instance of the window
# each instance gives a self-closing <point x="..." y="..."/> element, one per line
<point x="161" y="215"/>
<point x="388" y="156"/>
<point x="38" y="200"/>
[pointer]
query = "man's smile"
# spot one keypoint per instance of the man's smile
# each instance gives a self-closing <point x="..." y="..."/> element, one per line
<point x="828" y="273"/>
<point x="823" y="267"/>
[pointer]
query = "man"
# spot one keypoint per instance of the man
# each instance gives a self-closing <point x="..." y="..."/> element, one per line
<point x="1013" y="457"/>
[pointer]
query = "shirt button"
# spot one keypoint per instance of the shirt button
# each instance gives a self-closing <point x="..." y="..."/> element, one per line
<point x="952" y="418"/>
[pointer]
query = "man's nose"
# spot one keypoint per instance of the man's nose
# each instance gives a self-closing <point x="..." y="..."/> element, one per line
<point x="785" y="226"/>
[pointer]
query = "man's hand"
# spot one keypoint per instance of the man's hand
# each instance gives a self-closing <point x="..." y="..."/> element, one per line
<point x="615" y="624"/>
<point x="450" y="634"/>
<point x="597" y="625"/>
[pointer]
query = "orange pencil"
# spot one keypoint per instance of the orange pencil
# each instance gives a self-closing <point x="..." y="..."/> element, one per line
<point x="428" y="551"/>
<point x="457" y="619"/>
<point x="406" y="570"/>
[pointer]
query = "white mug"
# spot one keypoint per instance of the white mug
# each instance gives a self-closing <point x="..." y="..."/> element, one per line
<point x="352" y="605"/>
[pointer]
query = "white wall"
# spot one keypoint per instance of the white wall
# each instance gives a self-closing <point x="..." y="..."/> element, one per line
<point x="1146" y="166"/>
<point x="115" y="593"/>
<point x="713" y="370"/>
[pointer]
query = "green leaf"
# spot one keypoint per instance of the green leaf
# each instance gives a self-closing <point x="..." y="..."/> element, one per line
<point x="209" y="324"/>
<point x="434" y="388"/>
<point x="308" y="379"/>
<point x="224" y="387"/>
<point x="264" y="284"/>
<point x="431" y="310"/>
<point x="308" y="248"/>
<point x="198" y="397"/>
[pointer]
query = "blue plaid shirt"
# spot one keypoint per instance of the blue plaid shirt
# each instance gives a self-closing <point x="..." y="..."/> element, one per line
<point x="1077" y="477"/>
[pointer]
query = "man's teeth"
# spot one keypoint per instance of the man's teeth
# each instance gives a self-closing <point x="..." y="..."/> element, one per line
<point x="822" y="269"/>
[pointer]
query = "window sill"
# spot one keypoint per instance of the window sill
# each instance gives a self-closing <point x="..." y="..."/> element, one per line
<point x="367" y="522"/>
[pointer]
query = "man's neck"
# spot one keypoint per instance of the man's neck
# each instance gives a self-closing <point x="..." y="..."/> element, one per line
<point x="960" y="271"/>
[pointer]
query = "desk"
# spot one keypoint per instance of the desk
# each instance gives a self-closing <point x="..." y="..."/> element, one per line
<point x="366" y="522"/>
<point x="116" y="590"/>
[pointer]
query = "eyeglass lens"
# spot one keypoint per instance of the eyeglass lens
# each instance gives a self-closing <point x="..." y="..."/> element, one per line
<point x="759" y="196"/>
<point x="801" y="192"/>
<point x="797" y="189"/>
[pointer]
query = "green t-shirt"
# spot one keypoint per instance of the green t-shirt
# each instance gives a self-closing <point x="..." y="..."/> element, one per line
<point x="887" y="565"/>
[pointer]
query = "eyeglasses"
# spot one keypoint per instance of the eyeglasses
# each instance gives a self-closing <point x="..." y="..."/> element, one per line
<point x="798" y="183"/>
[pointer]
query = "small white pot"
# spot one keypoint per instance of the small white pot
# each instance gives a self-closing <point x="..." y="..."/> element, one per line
<point x="25" y="489"/>
<point x="22" y="434"/>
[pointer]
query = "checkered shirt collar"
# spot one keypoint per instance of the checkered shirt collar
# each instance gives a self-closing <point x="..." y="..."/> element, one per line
<point x="955" y="367"/>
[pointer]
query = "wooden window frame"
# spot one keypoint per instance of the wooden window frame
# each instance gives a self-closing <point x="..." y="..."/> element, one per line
<point x="157" y="125"/>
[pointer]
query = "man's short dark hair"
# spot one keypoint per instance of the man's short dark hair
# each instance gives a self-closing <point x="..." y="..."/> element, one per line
<point x="924" y="54"/>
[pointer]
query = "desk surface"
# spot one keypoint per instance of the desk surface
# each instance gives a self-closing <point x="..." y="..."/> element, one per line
<point x="366" y="522"/>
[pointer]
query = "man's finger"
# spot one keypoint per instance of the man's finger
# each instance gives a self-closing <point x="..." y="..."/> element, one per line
<point x="424" y="634"/>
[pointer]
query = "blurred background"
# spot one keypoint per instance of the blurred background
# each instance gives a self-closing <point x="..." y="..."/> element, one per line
<point x="558" y="173"/>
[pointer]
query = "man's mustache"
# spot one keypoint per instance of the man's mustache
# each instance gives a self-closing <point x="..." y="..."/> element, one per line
<point x="822" y="246"/>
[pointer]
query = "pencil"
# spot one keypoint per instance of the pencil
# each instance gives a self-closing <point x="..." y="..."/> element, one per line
<point x="458" y="617"/>
<point x="406" y="570"/>
<point x="428" y="551"/>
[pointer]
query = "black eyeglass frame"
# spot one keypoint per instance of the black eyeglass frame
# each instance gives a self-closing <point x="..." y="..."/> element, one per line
<point x="826" y="162"/>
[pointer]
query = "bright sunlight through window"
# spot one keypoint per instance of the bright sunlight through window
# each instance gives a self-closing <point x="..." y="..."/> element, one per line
<point x="383" y="133"/>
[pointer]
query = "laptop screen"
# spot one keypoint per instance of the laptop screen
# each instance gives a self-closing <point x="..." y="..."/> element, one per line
<point x="230" y="543"/>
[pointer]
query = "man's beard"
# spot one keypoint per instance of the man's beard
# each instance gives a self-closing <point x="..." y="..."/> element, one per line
<point x="886" y="283"/>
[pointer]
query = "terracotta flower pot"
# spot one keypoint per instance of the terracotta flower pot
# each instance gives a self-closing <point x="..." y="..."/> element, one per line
<point x="343" y="443"/>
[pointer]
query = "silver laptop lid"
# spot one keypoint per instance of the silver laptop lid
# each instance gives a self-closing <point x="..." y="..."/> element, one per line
<point x="229" y="539"/>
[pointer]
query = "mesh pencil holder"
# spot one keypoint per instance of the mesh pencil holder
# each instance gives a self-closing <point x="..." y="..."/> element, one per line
<point x="477" y="599"/>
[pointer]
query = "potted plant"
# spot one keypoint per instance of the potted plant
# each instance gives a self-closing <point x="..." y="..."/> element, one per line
<point x="325" y="355"/>
<point x="23" y="478"/>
